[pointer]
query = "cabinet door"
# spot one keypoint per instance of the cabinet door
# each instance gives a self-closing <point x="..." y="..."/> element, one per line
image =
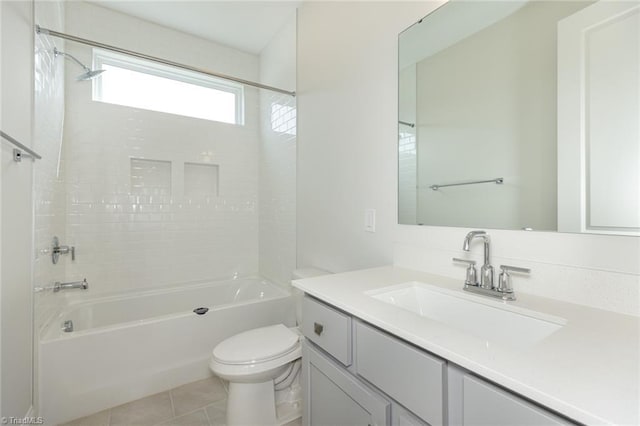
<point x="415" y="381"/>
<point x="336" y="398"/>
<point x="402" y="417"/>
<point x="485" y="404"/>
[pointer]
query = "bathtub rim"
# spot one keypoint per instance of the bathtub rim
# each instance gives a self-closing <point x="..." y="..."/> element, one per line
<point x="50" y="334"/>
<point x="71" y="300"/>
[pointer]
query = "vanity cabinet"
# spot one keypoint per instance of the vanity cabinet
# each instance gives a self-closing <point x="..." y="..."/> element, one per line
<point x="335" y="397"/>
<point x="356" y="374"/>
<point x="477" y="402"/>
<point x="328" y="328"/>
<point x="410" y="376"/>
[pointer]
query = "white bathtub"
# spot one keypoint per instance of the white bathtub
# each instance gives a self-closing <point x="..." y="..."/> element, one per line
<point x="125" y="347"/>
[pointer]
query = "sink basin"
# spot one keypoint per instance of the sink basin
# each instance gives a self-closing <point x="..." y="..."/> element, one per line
<point x="495" y="322"/>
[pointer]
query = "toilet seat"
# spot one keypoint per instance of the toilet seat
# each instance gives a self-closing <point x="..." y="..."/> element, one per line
<point x="255" y="346"/>
<point x="256" y="355"/>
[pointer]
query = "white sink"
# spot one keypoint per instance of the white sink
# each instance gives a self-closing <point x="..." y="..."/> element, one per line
<point x="494" y="321"/>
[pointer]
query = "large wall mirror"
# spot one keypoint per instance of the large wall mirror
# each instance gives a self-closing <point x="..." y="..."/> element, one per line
<point x="522" y="115"/>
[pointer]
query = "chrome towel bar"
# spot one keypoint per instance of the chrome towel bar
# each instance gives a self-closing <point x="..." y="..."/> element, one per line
<point x="497" y="181"/>
<point x="18" y="155"/>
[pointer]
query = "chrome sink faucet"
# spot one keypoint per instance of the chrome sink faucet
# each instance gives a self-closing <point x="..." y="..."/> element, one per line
<point x="486" y="272"/>
<point x="503" y="290"/>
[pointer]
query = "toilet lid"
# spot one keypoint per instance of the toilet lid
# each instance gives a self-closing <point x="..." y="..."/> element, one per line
<point x="259" y="344"/>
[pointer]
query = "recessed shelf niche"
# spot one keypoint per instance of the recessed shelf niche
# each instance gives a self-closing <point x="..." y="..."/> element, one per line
<point x="150" y="177"/>
<point x="200" y="180"/>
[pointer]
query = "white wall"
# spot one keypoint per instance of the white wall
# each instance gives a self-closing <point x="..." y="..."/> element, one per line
<point x="126" y="239"/>
<point x="347" y="129"/>
<point x="1" y="233"/>
<point x="277" y="195"/>
<point x="347" y="162"/>
<point x="16" y="330"/>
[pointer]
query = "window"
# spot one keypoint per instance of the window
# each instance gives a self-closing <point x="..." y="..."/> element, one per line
<point x="283" y="118"/>
<point x="148" y="85"/>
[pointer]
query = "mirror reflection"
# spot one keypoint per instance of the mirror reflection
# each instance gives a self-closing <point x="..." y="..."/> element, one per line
<point x="522" y="115"/>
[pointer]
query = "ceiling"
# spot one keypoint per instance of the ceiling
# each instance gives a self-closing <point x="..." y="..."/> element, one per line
<point x="244" y="25"/>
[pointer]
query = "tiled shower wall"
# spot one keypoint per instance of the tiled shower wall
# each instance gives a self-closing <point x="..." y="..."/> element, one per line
<point x="49" y="205"/>
<point x="157" y="199"/>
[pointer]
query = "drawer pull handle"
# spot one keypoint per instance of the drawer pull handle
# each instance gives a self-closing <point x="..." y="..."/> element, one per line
<point x="318" y="328"/>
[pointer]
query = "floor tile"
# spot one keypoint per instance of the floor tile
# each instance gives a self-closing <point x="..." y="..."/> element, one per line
<point x="296" y="422"/>
<point x="197" y="395"/>
<point x="97" y="419"/>
<point x="146" y="411"/>
<point x="217" y="413"/>
<point x="197" y="418"/>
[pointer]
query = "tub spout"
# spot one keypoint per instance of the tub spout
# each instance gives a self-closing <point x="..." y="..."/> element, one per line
<point x="83" y="285"/>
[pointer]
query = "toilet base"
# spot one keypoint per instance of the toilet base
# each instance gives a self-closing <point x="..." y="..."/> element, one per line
<point x="251" y="404"/>
<point x="258" y="404"/>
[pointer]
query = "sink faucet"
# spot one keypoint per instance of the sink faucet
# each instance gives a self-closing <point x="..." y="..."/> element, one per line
<point x="486" y="272"/>
<point x="503" y="290"/>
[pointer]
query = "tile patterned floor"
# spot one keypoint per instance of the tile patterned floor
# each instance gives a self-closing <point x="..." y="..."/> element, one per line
<point x="201" y="403"/>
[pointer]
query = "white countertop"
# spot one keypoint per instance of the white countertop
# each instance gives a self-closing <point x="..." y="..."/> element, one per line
<point x="589" y="370"/>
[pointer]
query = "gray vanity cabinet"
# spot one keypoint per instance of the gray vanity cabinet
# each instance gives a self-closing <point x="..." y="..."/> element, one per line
<point x="409" y="375"/>
<point x="328" y="328"/>
<point x="336" y="398"/>
<point x="356" y="374"/>
<point x="484" y="404"/>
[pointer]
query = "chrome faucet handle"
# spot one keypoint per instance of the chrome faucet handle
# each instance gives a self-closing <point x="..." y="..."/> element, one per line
<point x="57" y="250"/>
<point x="510" y="268"/>
<point x="504" y="280"/>
<point x="472" y="274"/>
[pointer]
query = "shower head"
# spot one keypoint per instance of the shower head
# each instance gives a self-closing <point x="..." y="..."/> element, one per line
<point x="89" y="75"/>
<point x="88" y="72"/>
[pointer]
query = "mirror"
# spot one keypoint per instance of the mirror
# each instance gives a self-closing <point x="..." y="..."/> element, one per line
<point x="521" y="115"/>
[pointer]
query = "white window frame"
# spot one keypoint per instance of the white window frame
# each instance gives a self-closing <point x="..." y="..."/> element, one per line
<point x="104" y="57"/>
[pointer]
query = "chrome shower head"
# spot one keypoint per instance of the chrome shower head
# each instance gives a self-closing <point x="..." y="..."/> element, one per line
<point x="88" y="72"/>
<point x="89" y="75"/>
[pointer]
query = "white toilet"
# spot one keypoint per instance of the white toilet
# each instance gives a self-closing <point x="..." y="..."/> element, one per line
<point x="262" y="366"/>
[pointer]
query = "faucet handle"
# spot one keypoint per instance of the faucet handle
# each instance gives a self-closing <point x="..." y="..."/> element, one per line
<point x="508" y="268"/>
<point x="504" y="280"/>
<point x="472" y="275"/>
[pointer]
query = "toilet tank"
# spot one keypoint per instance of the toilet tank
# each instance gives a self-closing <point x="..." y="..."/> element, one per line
<point x="299" y="274"/>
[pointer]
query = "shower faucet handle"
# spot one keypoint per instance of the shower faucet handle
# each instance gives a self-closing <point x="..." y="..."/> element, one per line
<point x="57" y="250"/>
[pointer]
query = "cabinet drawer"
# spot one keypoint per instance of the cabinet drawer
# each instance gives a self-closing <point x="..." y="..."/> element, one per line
<point x="485" y="404"/>
<point x="328" y="328"/>
<point x="408" y="375"/>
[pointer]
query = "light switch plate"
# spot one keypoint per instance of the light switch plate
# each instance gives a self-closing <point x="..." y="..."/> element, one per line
<point x="370" y="220"/>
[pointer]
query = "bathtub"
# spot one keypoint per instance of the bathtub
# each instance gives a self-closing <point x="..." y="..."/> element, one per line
<point x="125" y="347"/>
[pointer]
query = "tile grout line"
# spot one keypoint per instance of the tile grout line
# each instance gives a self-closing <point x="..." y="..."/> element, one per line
<point x="206" y="415"/>
<point x="173" y="406"/>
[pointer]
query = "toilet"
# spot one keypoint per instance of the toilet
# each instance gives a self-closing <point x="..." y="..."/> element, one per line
<point x="263" y="369"/>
